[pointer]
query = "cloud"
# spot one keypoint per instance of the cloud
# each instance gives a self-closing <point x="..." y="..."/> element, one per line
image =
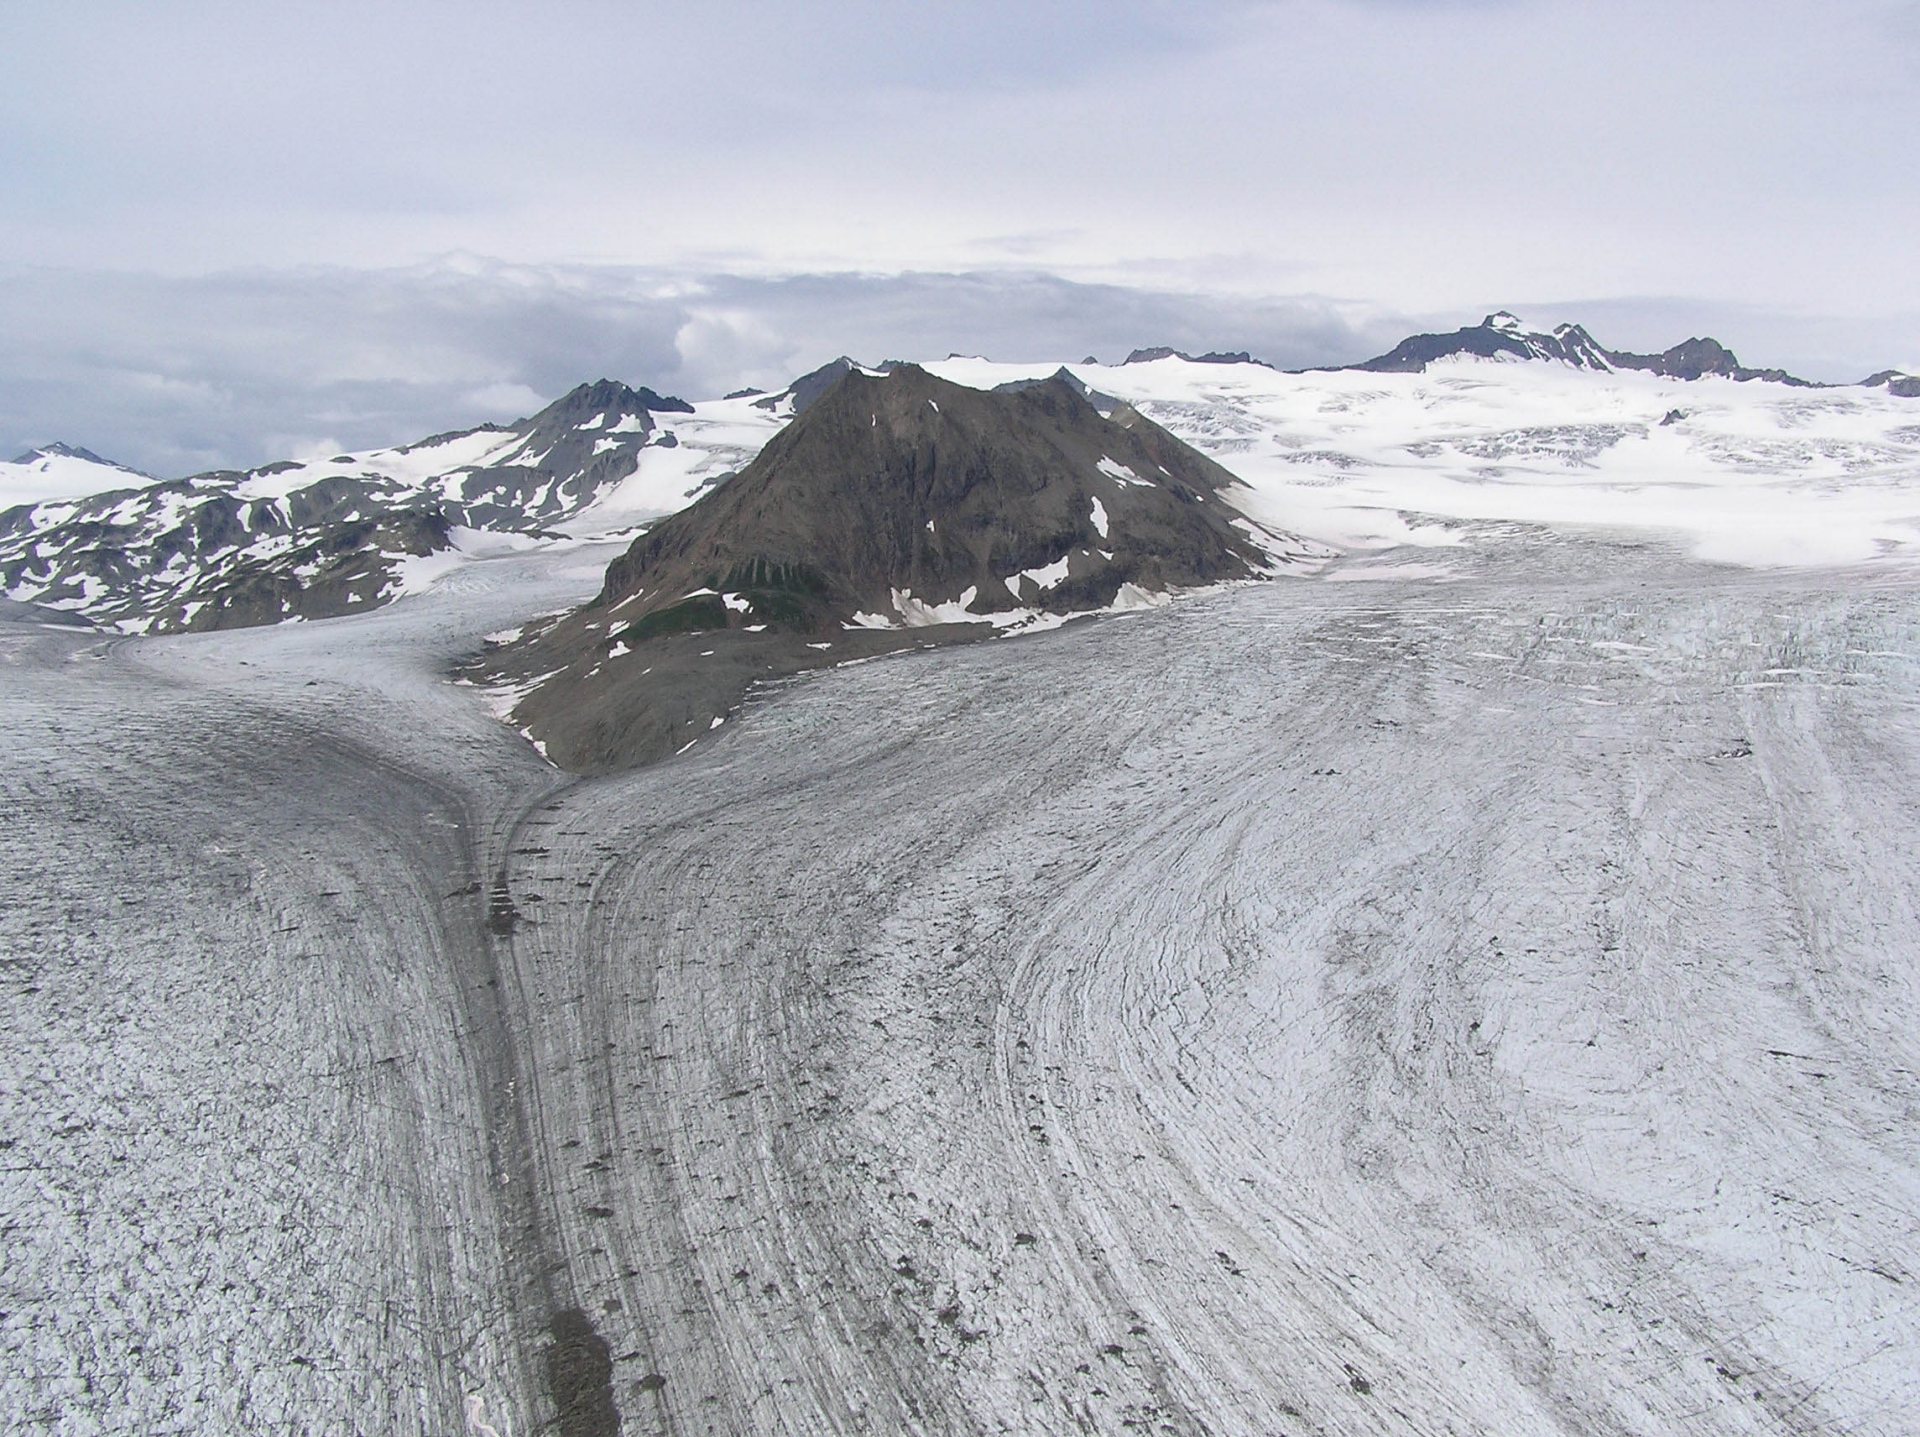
<point x="175" y="374"/>
<point x="1418" y="153"/>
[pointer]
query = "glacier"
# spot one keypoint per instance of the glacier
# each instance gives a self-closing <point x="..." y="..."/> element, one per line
<point x="1477" y="999"/>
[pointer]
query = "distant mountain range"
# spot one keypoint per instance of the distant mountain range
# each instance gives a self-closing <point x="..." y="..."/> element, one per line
<point x="1504" y="336"/>
<point x="319" y="538"/>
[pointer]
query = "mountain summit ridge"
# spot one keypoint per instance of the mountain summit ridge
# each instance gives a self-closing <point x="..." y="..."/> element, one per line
<point x="320" y="537"/>
<point x="61" y="450"/>
<point x="1502" y="335"/>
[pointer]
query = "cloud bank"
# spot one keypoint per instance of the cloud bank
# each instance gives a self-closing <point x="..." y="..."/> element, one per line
<point x="176" y="374"/>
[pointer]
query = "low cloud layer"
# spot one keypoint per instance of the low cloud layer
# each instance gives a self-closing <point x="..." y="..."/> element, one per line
<point x="175" y="375"/>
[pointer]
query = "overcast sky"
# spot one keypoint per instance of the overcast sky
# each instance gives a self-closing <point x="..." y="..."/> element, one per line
<point x="230" y="231"/>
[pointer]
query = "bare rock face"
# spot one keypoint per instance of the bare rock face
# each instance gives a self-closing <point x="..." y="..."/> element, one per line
<point x="1696" y="359"/>
<point x="1502" y="336"/>
<point x="1896" y="382"/>
<point x="898" y="510"/>
<point x="1498" y="336"/>
<point x="801" y="395"/>
<point x="910" y="483"/>
<point x="1166" y="351"/>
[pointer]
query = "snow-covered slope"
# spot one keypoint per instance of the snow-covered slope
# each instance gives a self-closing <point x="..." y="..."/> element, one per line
<point x="1475" y="1010"/>
<point x="1410" y="474"/>
<point x="332" y="536"/>
<point x="1895" y="381"/>
<point x="61" y="471"/>
<point x="1755" y="473"/>
<point x="1438" y="449"/>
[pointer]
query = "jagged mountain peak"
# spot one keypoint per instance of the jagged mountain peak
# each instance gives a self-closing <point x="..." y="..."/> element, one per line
<point x="58" y="450"/>
<point x="58" y="472"/>
<point x="908" y="398"/>
<point x="608" y="397"/>
<point x="805" y="392"/>
<point x="1106" y="404"/>
<point x="1700" y="355"/>
<point x="1507" y="322"/>
<point x="1503" y="335"/>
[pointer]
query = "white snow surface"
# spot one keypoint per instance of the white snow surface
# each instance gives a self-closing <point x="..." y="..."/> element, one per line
<point x="1483" y="1008"/>
<point x="1045" y="577"/>
<point x="417" y="465"/>
<point x="1755" y="474"/>
<point x="61" y="476"/>
<point x="1457" y="460"/>
<point x="418" y="573"/>
<point x="718" y="438"/>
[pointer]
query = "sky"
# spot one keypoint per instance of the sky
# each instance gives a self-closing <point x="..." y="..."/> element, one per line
<point x="233" y="232"/>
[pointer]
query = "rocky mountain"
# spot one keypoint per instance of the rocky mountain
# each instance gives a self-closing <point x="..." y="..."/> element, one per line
<point x="61" y="471"/>
<point x="51" y="453"/>
<point x="898" y="510"/>
<point x="315" y="539"/>
<point x="1212" y="356"/>
<point x="340" y="535"/>
<point x="1503" y="336"/>
<point x="1697" y="358"/>
<point x="1498" y="336"/>
<point x="1105" y="403"/>
<point x="1895" y="381"/>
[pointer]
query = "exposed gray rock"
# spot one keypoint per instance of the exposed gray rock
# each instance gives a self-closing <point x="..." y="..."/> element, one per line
<point x="1503" y="336"/>
<point x="1895" y="381"/>
<point x="1696" y="358"/>
<point x="1212" y="356"/>
<point x="1496" y="336"/>
<point x="800" y="395"/>
<point x="1105" y="403"/>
